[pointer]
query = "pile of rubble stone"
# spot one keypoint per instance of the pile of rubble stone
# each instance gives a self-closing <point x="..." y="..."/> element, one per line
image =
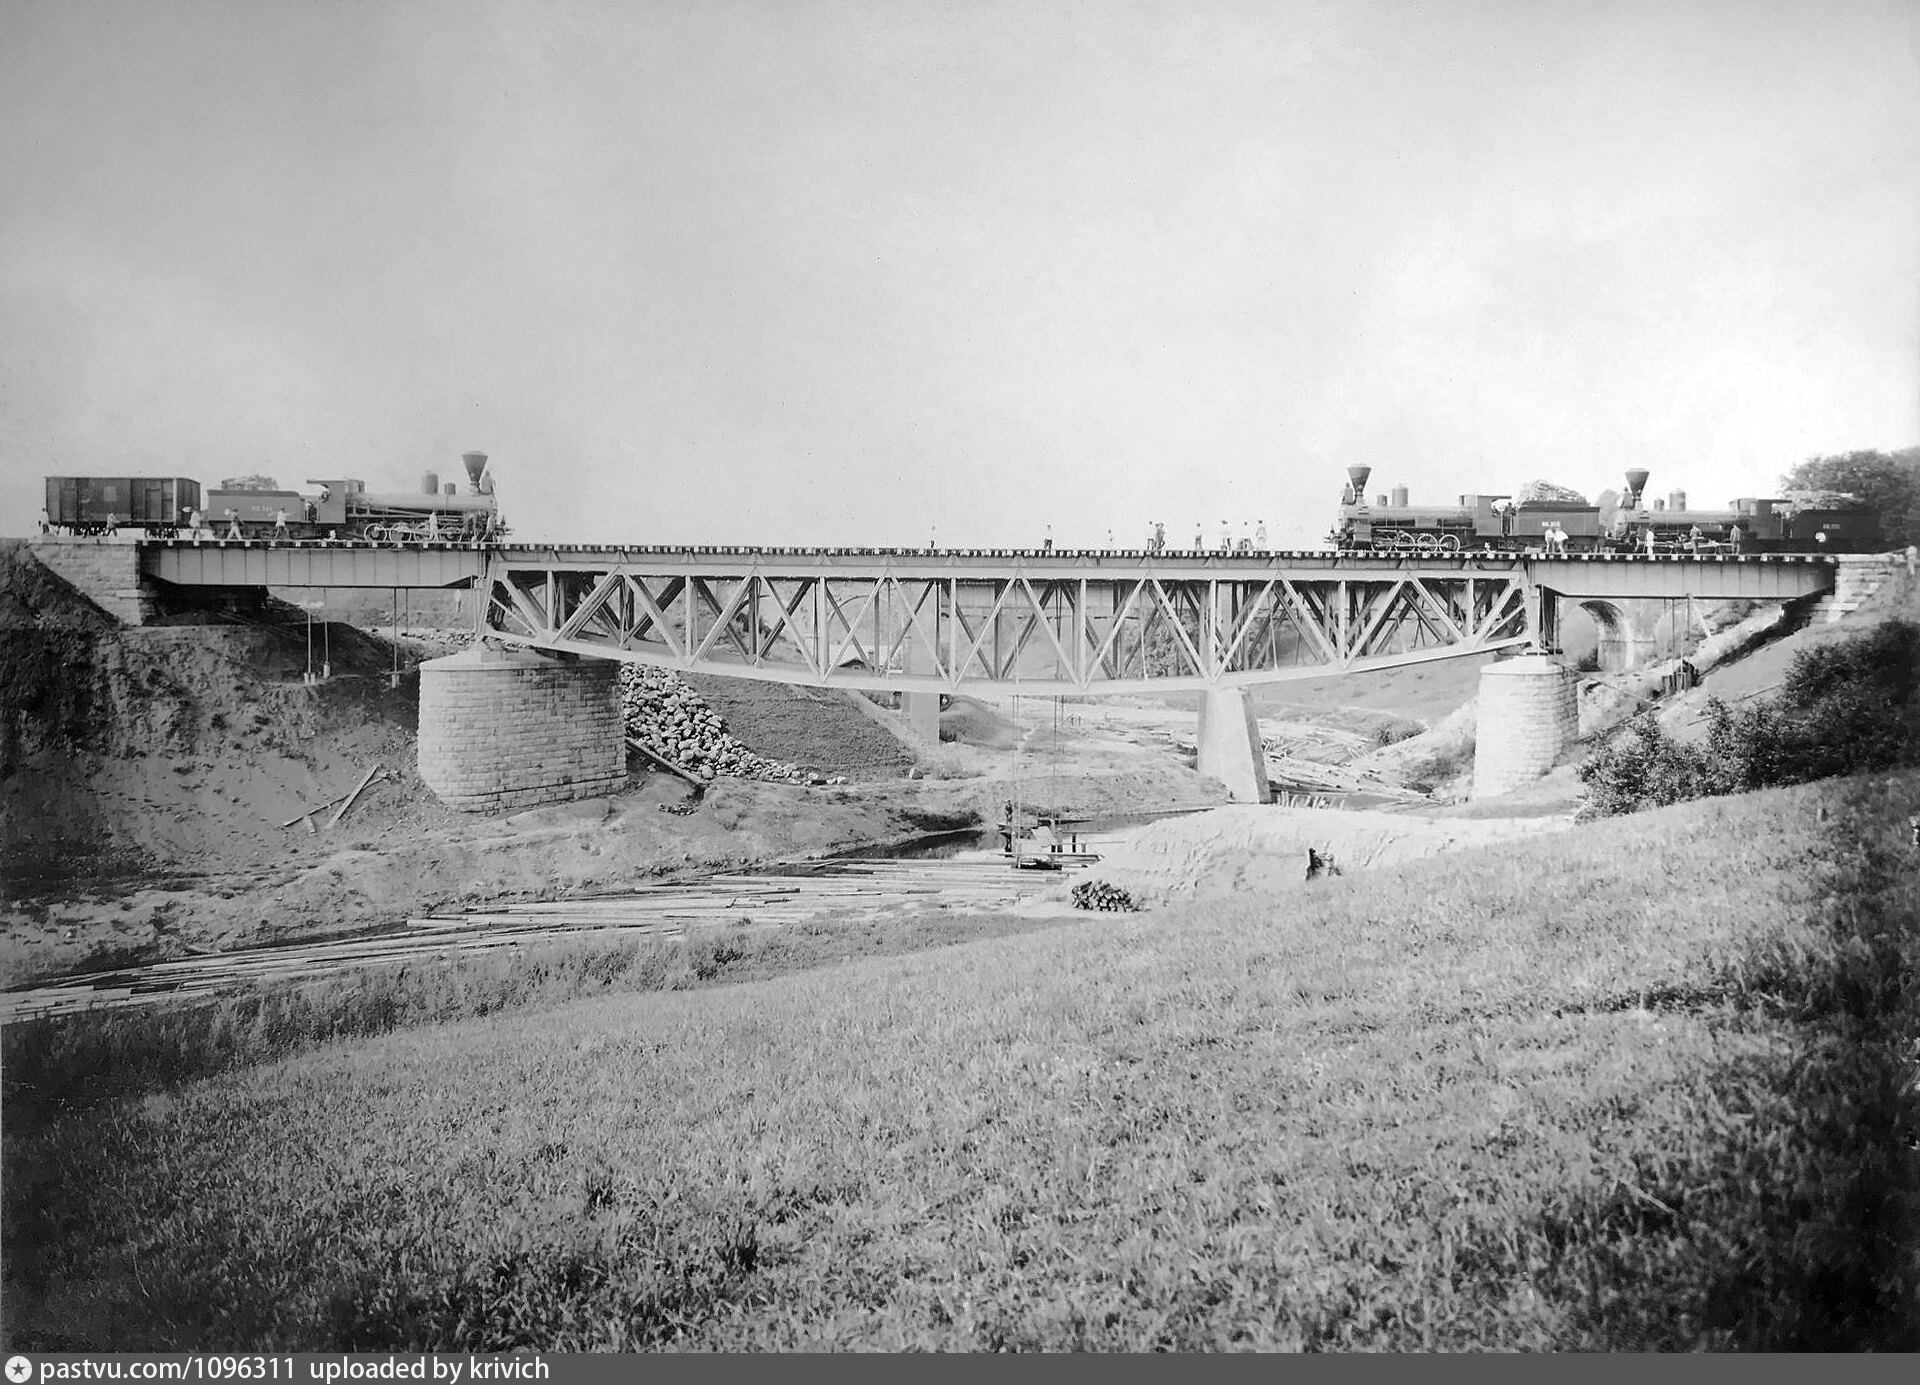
<point x="669" y="717"/>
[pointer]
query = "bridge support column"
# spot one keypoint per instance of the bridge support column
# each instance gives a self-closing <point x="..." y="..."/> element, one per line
<point x="921" y="711"/>
<point x="1230" y="748"/>
<point x="1528" y="717"/>
<point x="503" y="729"/>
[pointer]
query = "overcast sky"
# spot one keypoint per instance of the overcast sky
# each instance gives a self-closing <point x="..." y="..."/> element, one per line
<point x="867" y="273"/>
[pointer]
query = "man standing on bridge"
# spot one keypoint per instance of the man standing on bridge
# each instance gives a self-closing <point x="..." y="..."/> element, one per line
<point x="280" y="524"/>
<point x="233" y="525"/>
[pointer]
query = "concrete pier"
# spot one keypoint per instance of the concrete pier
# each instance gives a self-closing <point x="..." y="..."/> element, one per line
<point x="503" y="729"/>
<point x="1528" y="717"/>
<point x="921" y="712"/>
<point x="1229" y="744"/>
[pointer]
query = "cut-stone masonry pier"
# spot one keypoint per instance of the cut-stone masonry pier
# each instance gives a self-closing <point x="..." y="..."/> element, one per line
<point x="504" y="729"/>
<point x="1528" y="717"/>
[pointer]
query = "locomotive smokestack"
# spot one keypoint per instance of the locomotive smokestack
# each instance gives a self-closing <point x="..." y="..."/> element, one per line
<point x="476" y="463"/>
<point x="1357" y="483"/>
<point x="1636" y="484"/>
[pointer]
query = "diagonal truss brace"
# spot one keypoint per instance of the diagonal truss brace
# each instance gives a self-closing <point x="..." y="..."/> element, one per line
<point x="959" y="630"/>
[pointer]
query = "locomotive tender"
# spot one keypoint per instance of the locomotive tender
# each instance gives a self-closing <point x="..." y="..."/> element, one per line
<point x="1623" y="524"/>
<point x="343" y="508"/>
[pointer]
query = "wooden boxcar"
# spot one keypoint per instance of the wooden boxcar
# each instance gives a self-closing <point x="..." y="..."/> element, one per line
<point x="87" y="504"/>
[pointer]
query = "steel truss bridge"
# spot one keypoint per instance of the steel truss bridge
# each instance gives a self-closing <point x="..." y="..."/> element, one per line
<point x="1044" y="622"/>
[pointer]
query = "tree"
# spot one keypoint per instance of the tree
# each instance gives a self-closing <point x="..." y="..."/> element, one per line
<point x="1888" y="481"/>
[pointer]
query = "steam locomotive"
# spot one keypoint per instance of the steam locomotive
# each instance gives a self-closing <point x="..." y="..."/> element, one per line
<point x="1625" y="523"/>
<point x="343" y="509"/>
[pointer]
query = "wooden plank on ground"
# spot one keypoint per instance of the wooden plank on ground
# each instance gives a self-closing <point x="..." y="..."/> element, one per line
<point x="671" y="766"/>
<point x="353" y="797"/>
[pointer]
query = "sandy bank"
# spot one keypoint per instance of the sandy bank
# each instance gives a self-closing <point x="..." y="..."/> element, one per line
<point x="1249" y="849"/>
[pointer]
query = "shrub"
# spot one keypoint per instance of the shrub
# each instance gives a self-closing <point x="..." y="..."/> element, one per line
<point x="1644" y="768"/>
<point x="1843" y="709"/>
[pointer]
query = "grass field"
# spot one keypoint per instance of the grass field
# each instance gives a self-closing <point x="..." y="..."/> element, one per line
<point x="1645" y="1085"/>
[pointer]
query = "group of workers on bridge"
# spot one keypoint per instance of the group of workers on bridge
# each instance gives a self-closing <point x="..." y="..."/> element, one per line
<point x="1253" y="539"/>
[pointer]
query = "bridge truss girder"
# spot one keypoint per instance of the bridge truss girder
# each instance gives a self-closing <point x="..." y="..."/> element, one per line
<point x="1049" y="634"/>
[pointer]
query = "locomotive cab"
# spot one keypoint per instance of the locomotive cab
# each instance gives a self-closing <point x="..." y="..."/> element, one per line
<point x="330" y="502"/>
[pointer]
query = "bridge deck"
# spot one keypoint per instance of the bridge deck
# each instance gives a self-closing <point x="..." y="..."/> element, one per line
<point x="257" y="562"/>
<point x="1052" y="621"/>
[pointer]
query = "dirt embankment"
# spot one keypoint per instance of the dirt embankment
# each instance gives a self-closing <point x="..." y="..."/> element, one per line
<point x="152" y="781"/>
<point x="1248" y="849"/>
<point x="817" y="728"/>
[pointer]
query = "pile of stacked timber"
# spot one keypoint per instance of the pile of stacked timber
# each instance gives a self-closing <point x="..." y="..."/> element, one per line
<point x="1098" y="894"/>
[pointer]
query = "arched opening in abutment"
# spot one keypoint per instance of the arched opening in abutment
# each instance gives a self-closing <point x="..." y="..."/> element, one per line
<point x="1618" y="643"/>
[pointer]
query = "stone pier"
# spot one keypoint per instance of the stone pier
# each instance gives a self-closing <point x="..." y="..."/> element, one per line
<point x="1528" y="717"/>
<point x="1229" y="744"/>
<point x="503" y="729"/>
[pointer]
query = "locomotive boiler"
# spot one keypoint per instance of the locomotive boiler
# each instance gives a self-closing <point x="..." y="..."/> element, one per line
<point x="341" y="509"/>
<point x="1626" y="523"/>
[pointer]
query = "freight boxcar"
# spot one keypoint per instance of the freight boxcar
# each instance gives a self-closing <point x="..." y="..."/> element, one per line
<point x="92" y="504"/>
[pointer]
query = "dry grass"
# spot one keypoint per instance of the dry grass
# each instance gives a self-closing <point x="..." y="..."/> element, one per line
<point x="1639" y="1087"/>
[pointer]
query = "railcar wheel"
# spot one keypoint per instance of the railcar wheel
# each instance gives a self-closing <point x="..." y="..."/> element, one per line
<point x="1427" y="543"/>
<point x="1450" y="543"/>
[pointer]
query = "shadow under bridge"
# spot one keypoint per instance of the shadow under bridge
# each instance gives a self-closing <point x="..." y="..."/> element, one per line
<point x="1047" y="623"/>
